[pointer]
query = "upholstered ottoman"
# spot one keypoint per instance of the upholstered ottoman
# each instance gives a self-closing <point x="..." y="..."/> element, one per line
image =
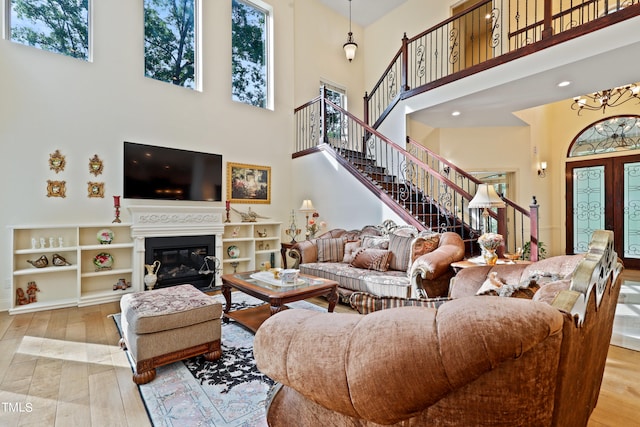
<point x="166" y="325"/>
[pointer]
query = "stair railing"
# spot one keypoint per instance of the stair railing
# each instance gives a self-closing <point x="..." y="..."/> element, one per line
<point x="431" y="193"/>
<point x="487" y="34"/>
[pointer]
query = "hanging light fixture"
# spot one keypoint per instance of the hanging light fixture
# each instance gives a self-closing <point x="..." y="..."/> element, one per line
<point x="350" y="46"/>
<point x="606" y="98"/>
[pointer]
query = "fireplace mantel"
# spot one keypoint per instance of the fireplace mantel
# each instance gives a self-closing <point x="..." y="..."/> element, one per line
<point x="167" y="221"/>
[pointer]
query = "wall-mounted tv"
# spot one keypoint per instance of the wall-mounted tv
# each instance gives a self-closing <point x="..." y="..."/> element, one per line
<point x="163" y="173"/>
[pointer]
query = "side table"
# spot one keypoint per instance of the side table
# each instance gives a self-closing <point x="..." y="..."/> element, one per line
<point x="284" y="247"/>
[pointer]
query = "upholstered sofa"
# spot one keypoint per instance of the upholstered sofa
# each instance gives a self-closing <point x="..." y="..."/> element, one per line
<point x="385" y="260"/>
<point x="477" y="360"/>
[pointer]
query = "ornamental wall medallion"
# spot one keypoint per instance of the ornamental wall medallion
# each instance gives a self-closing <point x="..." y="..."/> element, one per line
<point x="95" y="189"/>
<point x="56" y="188"/>
<point x="56" y="161"/>
<point x="95" y="165"/>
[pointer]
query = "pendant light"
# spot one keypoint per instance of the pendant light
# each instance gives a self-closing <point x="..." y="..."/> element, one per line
<point x="350" y="46"/>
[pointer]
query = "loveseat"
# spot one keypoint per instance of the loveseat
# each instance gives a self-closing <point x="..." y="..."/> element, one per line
<point x="477" y="360"/>
<point x="386" y="260"/>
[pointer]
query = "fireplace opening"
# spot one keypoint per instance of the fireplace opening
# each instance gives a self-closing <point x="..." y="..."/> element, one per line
<point x="183" y="260"/>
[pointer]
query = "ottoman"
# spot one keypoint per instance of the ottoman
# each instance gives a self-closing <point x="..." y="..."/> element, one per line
<point x="166" y="325"/>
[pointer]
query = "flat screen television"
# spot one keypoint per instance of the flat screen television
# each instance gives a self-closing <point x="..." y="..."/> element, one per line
<point x="163" y="173"/>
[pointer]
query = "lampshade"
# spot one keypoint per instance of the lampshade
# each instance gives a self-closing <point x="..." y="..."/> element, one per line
<point x="486" y="197"/>
<point x="350" y="47"/>
<point x="307" y="206"/>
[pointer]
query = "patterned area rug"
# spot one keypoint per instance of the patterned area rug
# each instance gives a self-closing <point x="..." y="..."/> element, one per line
<point x="228" y="392"/>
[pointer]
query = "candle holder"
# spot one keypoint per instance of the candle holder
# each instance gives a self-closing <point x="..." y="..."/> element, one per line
<point x="116" y="205"/>
<point x="227" y="208"/>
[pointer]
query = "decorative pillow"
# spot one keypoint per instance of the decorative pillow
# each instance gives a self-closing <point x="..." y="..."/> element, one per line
<point x="350" y="249"/>
<point x="423" y="245"/>
<point x="330" y="250"/>
<point x="365" y="303"/>
<point x="371" y="259"/>
<point x="497" y="287"/>
<point x="375" y="242"/>
<point x="400" y="247"/>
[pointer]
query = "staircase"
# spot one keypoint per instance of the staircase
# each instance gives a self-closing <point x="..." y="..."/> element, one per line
<point x="626" y="326"/>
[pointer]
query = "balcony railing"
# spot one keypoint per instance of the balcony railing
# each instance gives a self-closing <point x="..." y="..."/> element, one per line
<point x="480" y="37"/>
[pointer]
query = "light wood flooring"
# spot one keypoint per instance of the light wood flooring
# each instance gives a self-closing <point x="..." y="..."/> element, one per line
<point x="64" y="368"/>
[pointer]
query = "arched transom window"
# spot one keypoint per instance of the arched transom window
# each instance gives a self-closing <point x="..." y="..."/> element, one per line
<point x="613" y="134"/>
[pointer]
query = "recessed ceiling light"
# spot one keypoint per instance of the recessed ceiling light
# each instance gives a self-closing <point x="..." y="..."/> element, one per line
<point x="455" y="113"/>
<point x="564" y="83"/>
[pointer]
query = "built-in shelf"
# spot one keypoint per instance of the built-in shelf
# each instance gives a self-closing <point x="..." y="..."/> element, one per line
<point x="257" y="242"/>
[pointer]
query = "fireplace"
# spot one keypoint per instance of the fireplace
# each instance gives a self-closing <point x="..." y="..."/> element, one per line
<point x="199" y="227"/>
<point x="183" y="259"/>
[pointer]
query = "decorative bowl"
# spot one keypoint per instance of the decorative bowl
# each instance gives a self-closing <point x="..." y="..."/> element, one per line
<point x="105" y="236"/>
<point x="103" y="261"/>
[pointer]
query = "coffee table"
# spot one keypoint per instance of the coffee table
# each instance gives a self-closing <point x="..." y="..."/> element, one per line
<point x="274" y="294"/>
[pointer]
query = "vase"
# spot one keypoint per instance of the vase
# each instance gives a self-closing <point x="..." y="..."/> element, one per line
<point x="151" y="277"/>
<point x="490" y="256"/>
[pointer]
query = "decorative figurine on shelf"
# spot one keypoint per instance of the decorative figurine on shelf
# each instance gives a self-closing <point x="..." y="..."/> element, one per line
<point x="21" y="298"/>
<point x="40" y="262"/>
<point x="235" y="232"/>
<point x="249" y="216"/>
<point x="59" y="261"/>
<point x="152" y="274"/>
<point x="262" y="233"/>
<point x="116" y="205"/>
<point x="227" y="208"/>
<point x="32" y="288"/>
<point x="122" y="284"/>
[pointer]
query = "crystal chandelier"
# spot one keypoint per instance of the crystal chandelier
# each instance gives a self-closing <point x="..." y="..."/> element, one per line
<point x="606" y="98"/>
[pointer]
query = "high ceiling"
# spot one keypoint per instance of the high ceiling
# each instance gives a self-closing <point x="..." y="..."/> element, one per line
<point x="363" y="12"/>
<point x="491" y="97"/>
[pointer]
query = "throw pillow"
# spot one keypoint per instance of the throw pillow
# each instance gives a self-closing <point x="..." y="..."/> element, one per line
<point x="497" y="287"/>
<point x="423" y="245"/>
<point x="350" y="249"/>
<point x="375" y="242"/>
<point x="371" y="259"/>
<point x="365" y="303"/>
<point x="330" y="250"/>
<point x="400" y="247"/>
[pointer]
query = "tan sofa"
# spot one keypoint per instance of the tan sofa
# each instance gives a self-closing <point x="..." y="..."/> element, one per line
<point x="474" y="361"/>
<point x="419" y="264"/>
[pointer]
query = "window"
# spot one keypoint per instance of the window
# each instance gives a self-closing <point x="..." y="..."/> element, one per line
<point x="336" y="123"/>
<point x="170" y="41"/>
<point x="250" y="53"/>
<point x="60" y="26"/>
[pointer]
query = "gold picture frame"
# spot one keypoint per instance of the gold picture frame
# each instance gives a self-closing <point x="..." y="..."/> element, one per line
<point x="95" y="189"/>
<point x="248" y="183"/>
<point x="57" y="161"/>
<point x="96" y="166"/>
<point x="56" y="188"/>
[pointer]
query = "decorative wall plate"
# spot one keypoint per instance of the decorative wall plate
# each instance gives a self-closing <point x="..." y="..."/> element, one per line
<point x="95" y="189"/>
<point x="95" y="165"/>
<point x="233" y="251"/>
<point x="105" y="236"/>
<point x="103" y="261"/>
<point x="56" y="188"/>
<point x="56" y="161"/>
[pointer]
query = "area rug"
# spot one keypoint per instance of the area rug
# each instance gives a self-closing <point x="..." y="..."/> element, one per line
<point x="228" y="392"/>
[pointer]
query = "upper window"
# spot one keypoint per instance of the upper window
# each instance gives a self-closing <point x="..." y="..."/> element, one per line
<point x="621" y="133"/>
<point x="170" y="41"/>
<point x="60" y="26"/>
<point x="250" y="32"/>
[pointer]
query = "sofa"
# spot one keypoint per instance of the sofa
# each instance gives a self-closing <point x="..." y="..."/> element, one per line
<point x="483" y="358"/>
<point x="386" y="260"/>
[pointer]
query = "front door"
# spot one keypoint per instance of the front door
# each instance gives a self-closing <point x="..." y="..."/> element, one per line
<point x="605" y="194"/>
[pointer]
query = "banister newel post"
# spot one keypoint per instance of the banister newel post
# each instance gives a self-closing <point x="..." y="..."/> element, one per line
<point x="366" y="109"/>
<point x="547" y="28"/>
<point x="502" y="228"/>
<point x="533" y="217"/>
<point x="405" y="64"/>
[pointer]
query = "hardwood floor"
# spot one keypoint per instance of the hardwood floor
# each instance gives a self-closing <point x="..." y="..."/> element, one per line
<point x="64" y="368"/>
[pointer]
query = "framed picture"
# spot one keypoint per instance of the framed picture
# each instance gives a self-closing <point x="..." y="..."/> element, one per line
<point x="95" y="189"/>
<point x="248" y="183"/>
<point x="56" y="188"/>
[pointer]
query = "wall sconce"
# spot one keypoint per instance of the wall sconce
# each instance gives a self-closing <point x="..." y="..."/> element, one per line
<point x="542" y="170"/>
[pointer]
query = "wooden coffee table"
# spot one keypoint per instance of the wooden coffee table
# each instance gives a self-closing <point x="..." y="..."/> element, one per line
<point x="274" y="294"/>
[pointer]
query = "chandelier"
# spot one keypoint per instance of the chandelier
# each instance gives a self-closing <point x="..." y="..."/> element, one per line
<point x="350" y="46"/>
<point x="606" y="98"/>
